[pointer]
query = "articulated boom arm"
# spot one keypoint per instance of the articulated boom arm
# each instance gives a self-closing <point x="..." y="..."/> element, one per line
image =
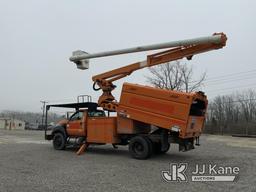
<point x="187" y="49"/>
<point x="104" y="80"/>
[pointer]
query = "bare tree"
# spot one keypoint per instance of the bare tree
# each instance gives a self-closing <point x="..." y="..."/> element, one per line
<point x="248" y="105"/>
<point x="174" y="76"/>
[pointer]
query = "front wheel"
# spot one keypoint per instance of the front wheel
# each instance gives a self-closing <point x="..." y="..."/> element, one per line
<point x="140" y="147"/>
<point x="59" y="141"/>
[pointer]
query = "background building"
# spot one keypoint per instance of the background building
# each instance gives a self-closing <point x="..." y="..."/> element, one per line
<point x="11" y="124"/>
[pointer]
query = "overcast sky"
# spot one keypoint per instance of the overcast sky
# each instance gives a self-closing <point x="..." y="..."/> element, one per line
<point x="38" y="37"/>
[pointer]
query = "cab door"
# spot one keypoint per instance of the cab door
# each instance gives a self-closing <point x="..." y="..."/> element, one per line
<point x="76" y="125"/>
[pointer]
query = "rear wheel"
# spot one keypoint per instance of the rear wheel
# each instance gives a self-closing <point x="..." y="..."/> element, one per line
<point x="140" y="147"/>
<point x="59" y="141"/>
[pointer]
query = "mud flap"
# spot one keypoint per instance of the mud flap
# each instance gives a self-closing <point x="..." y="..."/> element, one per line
<point x="82" y="149"/>
<point x="164" y="140"/>
<point x="186" y="145"/>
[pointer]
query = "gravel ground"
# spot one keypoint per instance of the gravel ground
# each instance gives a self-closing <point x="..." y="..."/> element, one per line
<point x="28" y="163"/>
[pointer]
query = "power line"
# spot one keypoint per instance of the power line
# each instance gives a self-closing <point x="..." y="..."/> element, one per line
<point x="238" y="101"/>
<point x="236" y="87"/>
<point x="220" y="81"/>
<point x="231" y="74"/>
<point x="231" y="79"/>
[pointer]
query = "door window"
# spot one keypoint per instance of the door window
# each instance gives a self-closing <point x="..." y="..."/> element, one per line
<point x="76" y="116"/>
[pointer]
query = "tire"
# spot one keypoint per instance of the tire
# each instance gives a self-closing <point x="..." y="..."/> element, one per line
<point x="150" y="143"/>
<point x="140" y="147"/>
<point x="59" y="141"/>
<point x="158" y="148"/>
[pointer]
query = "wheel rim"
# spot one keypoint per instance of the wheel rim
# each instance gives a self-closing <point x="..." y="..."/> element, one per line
<point x="138" y="148"/>
<point x="58" y="141"/>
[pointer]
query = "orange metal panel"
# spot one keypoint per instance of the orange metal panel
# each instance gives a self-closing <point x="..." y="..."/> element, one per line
<point x="125" y="125"/>
<point x="129" y="126"/>
<point x="102" y="130"/>
<point x="153" y="119"/>
<point x="194" y="127"/>
<point x="77" y="127"/>
<point x="169" y="95"/>
<point x="156" y="106"/>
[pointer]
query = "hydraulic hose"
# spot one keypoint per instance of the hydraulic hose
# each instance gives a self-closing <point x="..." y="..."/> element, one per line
<point x="94" y="86"/>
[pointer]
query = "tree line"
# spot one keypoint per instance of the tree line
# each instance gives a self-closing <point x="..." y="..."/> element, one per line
<point x="232" y="114"/>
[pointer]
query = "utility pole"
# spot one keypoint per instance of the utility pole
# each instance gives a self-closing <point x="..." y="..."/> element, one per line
<point x="43" y="102"/>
